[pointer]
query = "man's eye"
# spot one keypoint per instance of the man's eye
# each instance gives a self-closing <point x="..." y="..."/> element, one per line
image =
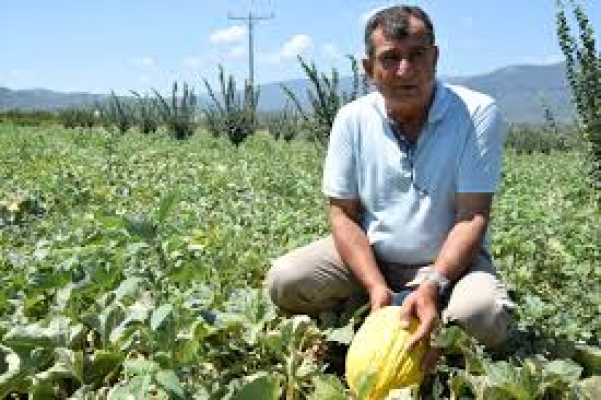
<point x="417" y="55"/>
<point x="389" y="59"/>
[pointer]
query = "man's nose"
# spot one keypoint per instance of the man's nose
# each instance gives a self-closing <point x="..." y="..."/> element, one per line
<point x="404" y="67"/>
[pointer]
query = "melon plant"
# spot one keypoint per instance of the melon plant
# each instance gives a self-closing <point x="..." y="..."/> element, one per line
<point x="378" y="361"/>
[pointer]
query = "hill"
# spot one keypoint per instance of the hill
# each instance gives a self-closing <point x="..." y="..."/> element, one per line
<point x="521" y="92"/>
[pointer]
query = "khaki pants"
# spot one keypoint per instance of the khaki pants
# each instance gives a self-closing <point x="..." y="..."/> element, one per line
<point x="313" y="278"/>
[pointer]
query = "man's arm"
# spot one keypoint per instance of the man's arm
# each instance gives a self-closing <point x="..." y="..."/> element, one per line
<point x="465" y="239"/>
<point x="354" y="249"/>
<point x="458" y="251"/>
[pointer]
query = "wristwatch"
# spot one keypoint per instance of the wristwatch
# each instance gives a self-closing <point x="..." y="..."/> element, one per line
<point x="442" y="282"/>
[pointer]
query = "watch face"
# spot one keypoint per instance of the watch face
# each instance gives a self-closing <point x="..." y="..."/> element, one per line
<point x="442" y="283"/>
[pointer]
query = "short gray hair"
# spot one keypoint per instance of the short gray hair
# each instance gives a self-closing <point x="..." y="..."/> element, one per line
<point x="395" y="24"/>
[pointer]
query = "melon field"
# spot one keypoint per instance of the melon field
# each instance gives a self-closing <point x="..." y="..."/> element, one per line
<point x="131" y="267"/>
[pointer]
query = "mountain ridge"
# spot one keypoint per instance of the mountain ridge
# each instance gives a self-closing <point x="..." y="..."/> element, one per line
<point x="522" y="92"/>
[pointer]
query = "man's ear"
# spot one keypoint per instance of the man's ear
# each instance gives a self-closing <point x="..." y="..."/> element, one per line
<point x="368" y="66"/>
<point x="436" y="55"/>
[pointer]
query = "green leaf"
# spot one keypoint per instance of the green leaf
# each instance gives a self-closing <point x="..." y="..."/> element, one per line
<point x="136" y="388"/>
<point x="129" y="287"/>
<point x="589" y="357"/>
<point x="141" y="226"/>
<point x="263" y="387"/>
<point x="327" y="387"/>
<point x="139" y="367"/>
<point x="12" y="372"/>
<point x="166" y="205"/>
<point x="40" y="334"/>
<point x="68" y="364"/>
<point x="169" y="381"/>
<point x="101" y="365"/>
<point x="566" y="371"/>
<point x="342" y="335"/>
<point x="160" y="315"/>
<point x="511" y="379"/>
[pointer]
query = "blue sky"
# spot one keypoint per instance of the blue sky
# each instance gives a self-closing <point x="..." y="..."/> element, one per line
<point x="122" y="45"/>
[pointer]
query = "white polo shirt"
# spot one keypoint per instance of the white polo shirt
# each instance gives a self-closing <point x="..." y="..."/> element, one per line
<point x="408" y="191"/>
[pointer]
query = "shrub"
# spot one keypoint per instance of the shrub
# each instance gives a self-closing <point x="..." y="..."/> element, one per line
<point x="326" y="97"/>
<point x="283" y="124"/>
<point x="145" y="113"/>
<point x="231" y="114"/>
<point x="583" y="68"/>
<point x="179" y="115"/>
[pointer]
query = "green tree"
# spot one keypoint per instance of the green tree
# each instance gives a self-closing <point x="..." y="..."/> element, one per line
<point x="583" y="68"/>
<point x="325" y="98"/>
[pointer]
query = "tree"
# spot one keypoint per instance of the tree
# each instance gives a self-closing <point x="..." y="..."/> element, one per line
<point x="583" y="69"/>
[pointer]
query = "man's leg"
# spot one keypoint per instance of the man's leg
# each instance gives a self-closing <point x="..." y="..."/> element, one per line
<point x="480" y="303"/>
<point x="311" y="279"/>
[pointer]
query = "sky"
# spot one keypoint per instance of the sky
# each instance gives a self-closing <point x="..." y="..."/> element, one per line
<point x="124" y="45"/>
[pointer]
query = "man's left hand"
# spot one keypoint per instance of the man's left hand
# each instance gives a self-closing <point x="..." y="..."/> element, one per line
<point x="423" y="304"/>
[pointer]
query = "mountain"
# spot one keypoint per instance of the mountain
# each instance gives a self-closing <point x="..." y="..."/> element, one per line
<point x="522" y="93"/>
<point x="42" y="99"/>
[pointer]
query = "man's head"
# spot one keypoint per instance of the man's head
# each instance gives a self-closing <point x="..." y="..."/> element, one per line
<point x="401" y="57"/>
<point x="395" y="24"/>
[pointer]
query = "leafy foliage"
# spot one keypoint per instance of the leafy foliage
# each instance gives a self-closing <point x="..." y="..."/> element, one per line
<point x="132" y="267"/>
<point x="119" y="113"/>
<point x="146" y="114"/>
<point x="231" y="113"/>
<point x="583" y="68"/>
<point x="74" y="117"/>
<point x="326" y="98"/>
<point x="284" y="124"/>
<point x="29" y="118"/>
<point x="179" y="114"/>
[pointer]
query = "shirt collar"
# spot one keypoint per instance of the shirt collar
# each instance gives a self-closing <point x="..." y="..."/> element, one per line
<point x="440" y="103"/>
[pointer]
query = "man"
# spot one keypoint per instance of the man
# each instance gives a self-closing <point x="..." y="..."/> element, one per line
<point x="410" y="174"/>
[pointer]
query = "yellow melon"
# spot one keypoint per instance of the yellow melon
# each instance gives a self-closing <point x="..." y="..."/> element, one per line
<point x="377" y="360"/>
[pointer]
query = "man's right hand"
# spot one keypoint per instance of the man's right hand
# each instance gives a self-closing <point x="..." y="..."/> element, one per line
<point x="379" y="296"/>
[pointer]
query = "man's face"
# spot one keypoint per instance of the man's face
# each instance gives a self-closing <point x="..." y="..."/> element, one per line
<point x="403" y="70"/>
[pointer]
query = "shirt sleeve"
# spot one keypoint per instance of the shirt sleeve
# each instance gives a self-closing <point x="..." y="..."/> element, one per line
<point x="339" y="175"/>
<point x="480" y="163"/>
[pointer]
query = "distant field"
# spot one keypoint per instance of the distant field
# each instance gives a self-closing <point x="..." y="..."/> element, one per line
<point x="130" y="265"/>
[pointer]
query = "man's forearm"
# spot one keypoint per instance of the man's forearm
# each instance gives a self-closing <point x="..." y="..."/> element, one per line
<point x="354" y="249"/>
<point x="461" y="247"/>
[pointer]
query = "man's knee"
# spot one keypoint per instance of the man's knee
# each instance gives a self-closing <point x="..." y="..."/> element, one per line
<point x="489" y="323"/>
<point x="482" y="308"/>
<point x="288" y="287"/>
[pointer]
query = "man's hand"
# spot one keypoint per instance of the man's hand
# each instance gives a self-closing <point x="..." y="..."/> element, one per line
<point x="379" y="296"/>
<point x="423" y="304"/>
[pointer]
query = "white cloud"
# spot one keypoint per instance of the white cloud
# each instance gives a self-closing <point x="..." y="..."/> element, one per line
<point x="297" y="45"/>
<point x="228" y="35"/>
<point x="294" y="47"/>
<point x="143" y="62"/>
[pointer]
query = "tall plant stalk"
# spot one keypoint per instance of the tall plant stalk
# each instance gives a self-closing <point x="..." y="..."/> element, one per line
<point x="231" y="113"/>
<point x="583" y="69"/>
<point x="326" y="97"/>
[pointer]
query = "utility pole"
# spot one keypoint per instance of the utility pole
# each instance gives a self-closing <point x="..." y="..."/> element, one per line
<point x="251" y="19"/>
